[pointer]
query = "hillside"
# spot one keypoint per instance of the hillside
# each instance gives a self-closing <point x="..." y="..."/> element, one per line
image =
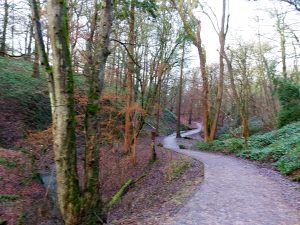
<point x="25" y="104"/>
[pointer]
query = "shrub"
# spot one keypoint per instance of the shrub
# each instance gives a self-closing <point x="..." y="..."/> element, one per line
<point x="264" y="154"/>
<point x="234" y="144"/>
<point x="289" y="96"/>
<point x="288" y="114"/>
<point x="225" y="136"/>
<point x="215" y="145"/>
<point x="181" y="146"/>
<point x="289" y="162"/>
<point x="201" y="145"/>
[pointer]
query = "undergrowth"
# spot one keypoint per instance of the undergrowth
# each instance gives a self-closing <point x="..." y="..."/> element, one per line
<point x="31" y="93"/>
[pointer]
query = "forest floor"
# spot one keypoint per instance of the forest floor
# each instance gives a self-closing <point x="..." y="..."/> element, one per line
<point x="236" y="191"/>
<point x="166" y="184"/>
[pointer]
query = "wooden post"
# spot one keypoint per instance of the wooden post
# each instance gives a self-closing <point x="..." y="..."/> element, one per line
<point x="153" y="153"/>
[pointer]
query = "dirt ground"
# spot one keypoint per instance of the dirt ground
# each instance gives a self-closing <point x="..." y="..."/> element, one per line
<point x="11" y="124"/>
<point x="156" y="196"/>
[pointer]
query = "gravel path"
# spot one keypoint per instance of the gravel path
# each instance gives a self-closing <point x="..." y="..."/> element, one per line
<point x="237" y="192"/>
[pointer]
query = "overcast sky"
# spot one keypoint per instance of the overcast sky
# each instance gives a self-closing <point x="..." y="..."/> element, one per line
<point x="243" y="24"/>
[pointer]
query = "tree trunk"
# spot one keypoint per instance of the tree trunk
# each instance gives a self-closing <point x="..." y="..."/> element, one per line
<point x="128" y="113"/>
<point x="218" y="104"/>
<point x="153" y="152"/>
<point x="281" y="31"/>
<point x="245" y="129"/>
<point x="92" y="185"/>
<point x="38" y="36"/>
<point x="190" y="112"/>
<point x="29" y="48"/>
<point x="68" y="190"/>
<point x="242" y="109"/>
<point x="180" y="93"/>
<point x="205" y="108"/>
<point x="5" y="22"/>
<point x="36" y="71"/>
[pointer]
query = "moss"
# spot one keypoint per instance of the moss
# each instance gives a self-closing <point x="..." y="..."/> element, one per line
<point x="119" y="193"/>
<point x="177" y="168"/>
<point x="4" y="198"/>
<point x="8" y="163"/>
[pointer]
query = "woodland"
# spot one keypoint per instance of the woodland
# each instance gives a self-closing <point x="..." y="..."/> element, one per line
<point x="91" y="89"/>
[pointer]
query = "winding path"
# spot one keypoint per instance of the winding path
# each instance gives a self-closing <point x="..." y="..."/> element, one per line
<point x="236" y="192"/>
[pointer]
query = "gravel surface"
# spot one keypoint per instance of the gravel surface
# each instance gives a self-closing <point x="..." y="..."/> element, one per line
<point x="237" y="192"/>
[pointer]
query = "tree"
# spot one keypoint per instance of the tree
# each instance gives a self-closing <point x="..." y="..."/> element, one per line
<point x="241" y="98"/>
<point x="179" y="100"/>
<point x="295" y="3"/>
<point x="5" y="22"/>
<point x="92" y="187"/>
<point x="222" y="32"/>
<point x="68" y="190"/>
<point x="76" y="207"/>
<point x="128" y="113"/>
<point x="184" y="13"/>
<point x="289" y="96"/>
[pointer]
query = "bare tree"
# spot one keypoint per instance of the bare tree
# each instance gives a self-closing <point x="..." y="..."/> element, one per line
<point x="4" y="30"/>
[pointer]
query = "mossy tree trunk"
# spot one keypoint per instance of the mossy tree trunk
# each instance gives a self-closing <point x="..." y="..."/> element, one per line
<point x="43" y="56"/>
<point x="205" y="88"/>
<point x="76" y="207"/>
<point x="222" y="35"/>
<point x="68" y="189"/>
<point x="92" y="186"/>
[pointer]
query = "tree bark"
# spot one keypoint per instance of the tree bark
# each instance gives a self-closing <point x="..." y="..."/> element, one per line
<point x="38" y="36"/>
<point x="180" y="93"/>
<point x="218" y="104"/>
<point x="197" y="42"/>
<point x="92" y="185"/>
<point x="36" y="71"/>
<point x="128" y="113"/>
<point x="5" y="22"/>
<point x="205" y="107"/>
<point x="68" y="190"/>
<point x="242" y="109"/>
<point x="29" y="48"/>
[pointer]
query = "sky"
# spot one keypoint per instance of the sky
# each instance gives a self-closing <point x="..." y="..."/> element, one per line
<point x="243" y="24"/>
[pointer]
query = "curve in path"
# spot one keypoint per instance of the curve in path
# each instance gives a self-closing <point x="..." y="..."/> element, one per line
<point x="236" y="192"/>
